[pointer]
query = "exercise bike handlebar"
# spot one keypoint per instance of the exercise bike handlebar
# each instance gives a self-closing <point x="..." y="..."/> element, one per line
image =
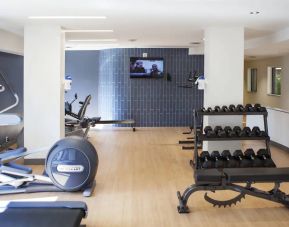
<point x="75" y="98"/>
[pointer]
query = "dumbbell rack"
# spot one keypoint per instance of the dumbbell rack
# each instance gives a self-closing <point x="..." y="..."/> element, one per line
<point x="200" y="137"/>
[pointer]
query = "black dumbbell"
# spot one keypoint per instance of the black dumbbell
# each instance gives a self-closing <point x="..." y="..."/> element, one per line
<point x="249" y="155"/>
<point x="225" y="109"/>
<point x="263" y="134"/>
<point x="240" y="108"/>
<point x="255" y="131"/>
<point x="220" y="132"/>
<point x="230" y="162"/>
<point x="217" y="109"/>
<point x="264" y="155"/>
<point x="237" y="130"/>
<point x="259" y="108"/>
<point x="209" y="110"/>
<point x="219" y="163"/>
<point x="203" y="109"/>
<point x="232" y="108"/>
<point x="230" y="132"/>
<point x="239" y="156"/>
<point x="209" y="132"/>
<point x="205" y="158"/>
<point x="249" y="108"/>
<point x="246" y="132"/>
<point x="242" y="162"/>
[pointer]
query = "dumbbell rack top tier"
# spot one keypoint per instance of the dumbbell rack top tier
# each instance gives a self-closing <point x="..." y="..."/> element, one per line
<point x="200" y="137"/>
<point x="230" y="113"/>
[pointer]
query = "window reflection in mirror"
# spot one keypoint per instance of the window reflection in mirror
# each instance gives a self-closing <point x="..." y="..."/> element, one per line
<point x="274" y="81"/>
<point x="252" y="80"/>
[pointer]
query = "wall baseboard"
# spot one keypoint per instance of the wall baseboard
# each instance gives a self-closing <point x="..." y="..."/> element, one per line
<point x="278" y="145"/>
<point x="36" y="161"/>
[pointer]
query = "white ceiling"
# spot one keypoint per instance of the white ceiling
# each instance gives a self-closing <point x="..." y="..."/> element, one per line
<point x="158" y="23"/>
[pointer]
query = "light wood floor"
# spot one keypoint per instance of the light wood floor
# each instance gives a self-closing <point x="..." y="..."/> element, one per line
<point x="139" y="174"/>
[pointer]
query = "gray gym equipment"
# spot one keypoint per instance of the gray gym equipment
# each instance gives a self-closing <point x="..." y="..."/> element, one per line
<point x="77" y="124"/>
<point x="71" y="165"/>
<point x="11" y="125"/>
<point x="43" y="214"/>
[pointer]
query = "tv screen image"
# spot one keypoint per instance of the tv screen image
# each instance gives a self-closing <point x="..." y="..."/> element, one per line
<point x="146" y="67"/>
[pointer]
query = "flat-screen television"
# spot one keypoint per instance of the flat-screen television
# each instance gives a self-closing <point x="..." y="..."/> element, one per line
<point x="146" y="67"/>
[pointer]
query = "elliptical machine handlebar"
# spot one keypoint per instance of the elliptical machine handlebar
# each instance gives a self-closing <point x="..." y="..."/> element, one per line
<point x="3" y="88"/>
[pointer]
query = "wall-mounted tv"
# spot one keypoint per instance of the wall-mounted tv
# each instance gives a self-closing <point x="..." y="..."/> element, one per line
<point x="146" y="67"/>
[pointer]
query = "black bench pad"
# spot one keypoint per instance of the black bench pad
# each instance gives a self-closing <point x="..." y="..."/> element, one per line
<point x="236" y="175"/>
<point x="208" y="176"/>
<point x="239" y="175"/>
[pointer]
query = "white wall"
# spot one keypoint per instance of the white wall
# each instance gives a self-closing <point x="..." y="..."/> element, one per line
<point x="278" y="121"/>
<point x="43" y="87"/>
<point x="11" y="43"/>
<point x="261" y="96"/>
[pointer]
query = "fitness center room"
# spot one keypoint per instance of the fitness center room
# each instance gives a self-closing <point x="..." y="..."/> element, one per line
<point x="144" y="114"/>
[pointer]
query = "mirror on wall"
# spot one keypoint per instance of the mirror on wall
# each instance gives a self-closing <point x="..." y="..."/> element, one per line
<point x="274" y="79"/>
<point x="252" y="80"/>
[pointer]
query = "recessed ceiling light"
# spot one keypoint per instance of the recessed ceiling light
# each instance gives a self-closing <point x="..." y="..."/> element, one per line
<point x="92" y="40"/>
<point x="98" y="45"/>
<point x="65" y="17"/>
<point x="254" y="12"/>
<point x="195" y="43"/>
<point x="82" y="30"/>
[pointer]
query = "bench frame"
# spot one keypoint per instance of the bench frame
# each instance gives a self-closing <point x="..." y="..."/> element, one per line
<point x="224" y="182"/>
<point x="275" y="194"/>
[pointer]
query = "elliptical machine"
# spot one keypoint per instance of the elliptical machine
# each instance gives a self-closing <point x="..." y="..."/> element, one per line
<point x="71" y="165"/>
<point x="11" y="124"/>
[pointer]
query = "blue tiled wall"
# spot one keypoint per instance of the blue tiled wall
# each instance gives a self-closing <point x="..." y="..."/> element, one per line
<point x="151" y="102"/>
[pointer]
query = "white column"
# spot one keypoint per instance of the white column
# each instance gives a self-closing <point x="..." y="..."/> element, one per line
<point x="43" y="87"/>
<point x="224" y="71"/>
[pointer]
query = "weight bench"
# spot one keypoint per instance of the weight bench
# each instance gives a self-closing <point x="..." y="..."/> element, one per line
<point x="43" y="214"/>
<point x="226" y="179"/>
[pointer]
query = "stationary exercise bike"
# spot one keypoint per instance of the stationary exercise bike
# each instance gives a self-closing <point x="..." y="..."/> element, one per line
<point x="71" y="165"/>
<point x="77" y="121"/>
